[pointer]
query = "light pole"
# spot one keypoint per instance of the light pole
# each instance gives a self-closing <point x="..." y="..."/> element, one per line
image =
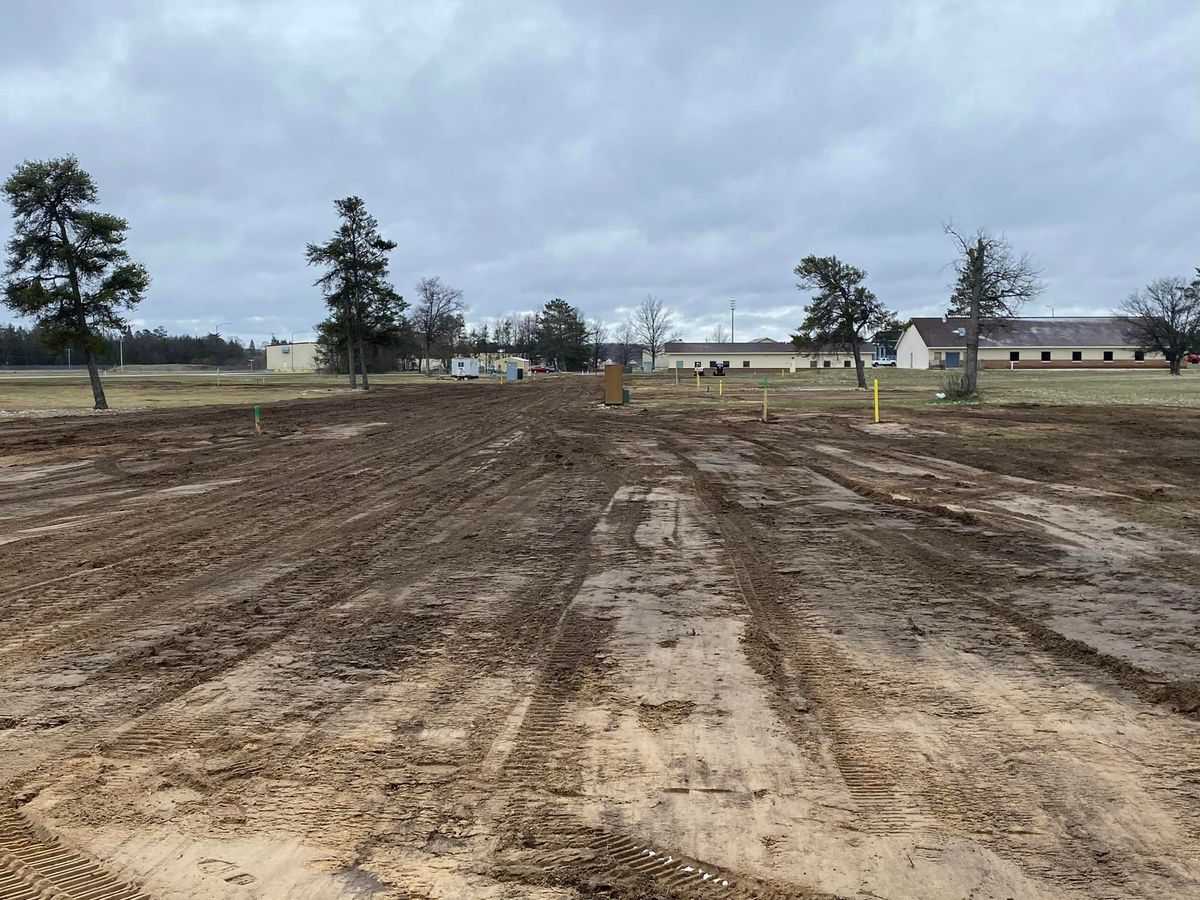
<point x="292" y="351"/>
<point x="732" y="307"/>
<point x="122" y="346"/>
<point x="1051" y="311"/>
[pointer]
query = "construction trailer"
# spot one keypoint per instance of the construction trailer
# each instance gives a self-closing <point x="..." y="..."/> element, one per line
<point x="464" y="367"/>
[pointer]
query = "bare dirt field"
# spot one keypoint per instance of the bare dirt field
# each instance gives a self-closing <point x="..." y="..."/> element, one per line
<point x="476" y="641"/>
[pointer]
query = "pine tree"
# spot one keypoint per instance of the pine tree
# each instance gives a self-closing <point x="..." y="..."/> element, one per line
<point x="842" y="312"/>
<point x="67" y="266"/>
<point x="562" y="335"/>
<point x="356" y="287"/>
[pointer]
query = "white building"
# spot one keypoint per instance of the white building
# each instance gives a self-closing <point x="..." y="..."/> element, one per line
<point x="762" y="355"/>
<point x="298" y="357"/>
<point x="1024" y="343"/>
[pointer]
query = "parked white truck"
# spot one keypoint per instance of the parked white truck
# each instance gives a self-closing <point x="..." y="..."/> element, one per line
<point x="464" y="367"/>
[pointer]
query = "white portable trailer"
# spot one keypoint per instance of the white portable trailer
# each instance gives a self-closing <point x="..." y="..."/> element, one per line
<point x="464" y="367"/>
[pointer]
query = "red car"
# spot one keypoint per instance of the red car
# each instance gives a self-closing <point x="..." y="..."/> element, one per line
<point x="540" y="369"/>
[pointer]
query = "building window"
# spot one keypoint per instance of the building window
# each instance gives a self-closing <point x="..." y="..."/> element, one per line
<point x="679" y="363"/>
<point x="1014" y="355"/>
<point x="725" y="363"/>
<point x="1076" y="356"/>
<point x="745" y="363"/>
<point x="846" y="364"/>
<point x="712" y="363"/>
<point x="699" y="365"/>
<point x="828" y="364"/>
<point x="1045" y="356"/>
<point x="1139" y="355"/>
<point x="812" y="363"/>
<point x="1108" y="356"/>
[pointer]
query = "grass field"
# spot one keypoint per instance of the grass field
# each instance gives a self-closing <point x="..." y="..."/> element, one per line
<point x="917" y="387"/>
<point x="25" y="394"/>
<point x="32" y="394"/>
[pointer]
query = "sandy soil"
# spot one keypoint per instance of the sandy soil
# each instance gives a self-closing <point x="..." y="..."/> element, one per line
<point x="501" y="642"/>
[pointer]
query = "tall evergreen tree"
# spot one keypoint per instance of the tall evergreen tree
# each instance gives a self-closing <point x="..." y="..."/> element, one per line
<point x="355" y="282"/>
<point x="562" y="335"/>
<point x="67" y="266"/>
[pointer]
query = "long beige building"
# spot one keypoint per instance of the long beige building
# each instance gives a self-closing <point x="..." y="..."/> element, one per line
<point x="298" y="357"/>
<point x="762" y="355"/>
<point x="1024" y="343"/>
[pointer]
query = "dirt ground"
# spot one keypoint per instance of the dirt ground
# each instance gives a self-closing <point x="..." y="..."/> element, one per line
<point x="501" y="642"/>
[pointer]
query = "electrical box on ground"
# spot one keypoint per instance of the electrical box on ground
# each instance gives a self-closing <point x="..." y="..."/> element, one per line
<point x="613" y="385"/>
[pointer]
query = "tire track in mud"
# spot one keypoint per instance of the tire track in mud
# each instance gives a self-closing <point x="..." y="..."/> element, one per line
<point x="305" y="469"/>
<point x="542" y="758"/>
<point x="310" y="596"/>
<point x="196" y="541"/>
<point x="1180" y="696"/>
<point x="291" y="607"/>
<point x="33" y="868"/>
<point x="794" y="655"/>
<point x="802" y="658"/>
<point x="256" y="536"/>
<point x="965" y="556"/>
<point x="159" y="734"/>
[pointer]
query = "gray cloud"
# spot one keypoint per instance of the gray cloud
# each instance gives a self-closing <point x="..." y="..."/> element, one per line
<point x="601" y="151"/>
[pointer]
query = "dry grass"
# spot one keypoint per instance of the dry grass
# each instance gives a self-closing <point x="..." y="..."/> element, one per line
<point x="31" y="394"/>
<point x="913" y="387"/>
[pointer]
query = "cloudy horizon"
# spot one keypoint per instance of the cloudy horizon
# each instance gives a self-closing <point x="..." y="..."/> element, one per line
<point x="600" y="152"/>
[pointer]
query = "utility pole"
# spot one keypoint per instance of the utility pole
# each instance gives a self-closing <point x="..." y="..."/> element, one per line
<point x="122" y="345"/>
<point x="732" y="306"/>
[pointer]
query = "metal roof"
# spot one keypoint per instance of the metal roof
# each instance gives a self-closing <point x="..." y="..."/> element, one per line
<point x="1061" y="331"/>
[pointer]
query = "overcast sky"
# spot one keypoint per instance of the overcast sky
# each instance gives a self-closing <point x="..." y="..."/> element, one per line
<point x="601" y="150"/>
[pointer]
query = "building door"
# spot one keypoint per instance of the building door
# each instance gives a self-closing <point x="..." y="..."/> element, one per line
<point x="952" y="359"/>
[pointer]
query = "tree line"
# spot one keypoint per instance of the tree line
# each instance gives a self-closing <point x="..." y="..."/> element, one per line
<point x="20" y="346"/>
<point x="68" y="270"/>
<point x="369" y="321"/>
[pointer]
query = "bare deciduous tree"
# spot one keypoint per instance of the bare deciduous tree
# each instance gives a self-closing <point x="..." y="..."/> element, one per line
<point x="597" y="338"/>
<point x="503" y="331"/>
<point x="719" y="334"/>
<point x="1164" y="318"/>
<point x="626" y="342"/>
<point x="654" y="325"/>
<point x="992" y="284"/>
<point x="525" y="337"/>
<point x="437" y="314"/>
